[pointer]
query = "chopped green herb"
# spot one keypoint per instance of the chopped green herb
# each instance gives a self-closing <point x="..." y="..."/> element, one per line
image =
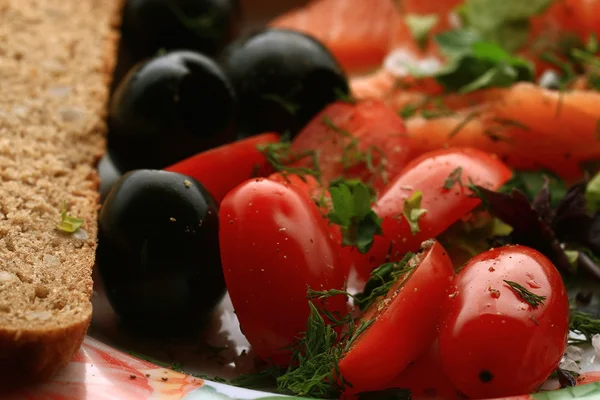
<point x="530" y="183"/>
<point x="351" y="210"/>
<point x="412" y="211"/>
<point x="408" y="111"/>
<point x="67" y="222"/>
<point x="288" y="106"/>
<point x="382" y="279"/>
<point x="592" y="45"/>
<point x="468" y="118"/>
<point x="314" y="361"/>
<point x="476" y="64"/>
<point x="344" y="96"/>
<point x="264" y="378"/>
<point x="510" y="123"/>
<point x="454" y="178"/>
<point x="592" y="194"/>
<point x="433" y="114"/>
<point x="504" y="22"/>
<point x="573" y="257"/>
<point x="353" y="156"/>
<point x="281" y="157"/>
<point x="457" y="43"/>
<point x="314" y="370"/>
<point x="420" y="26"/>
<point x="325" y="294"/>
<point x="530" y="298"/>
<point x="584" y="324"/>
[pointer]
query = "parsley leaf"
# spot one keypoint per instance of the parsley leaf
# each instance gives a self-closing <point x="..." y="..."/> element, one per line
<point x="407" y="111"/>
<point x="351" y="210"/>
<point x="505" y="22"/>
<point x="454" y="177"/>
<point x="420" y="26"/>
<point x="476" y="64"/>
<point x="412" y="211"/>
<point x="67" y="222"/>
<point x="529" y="297"/>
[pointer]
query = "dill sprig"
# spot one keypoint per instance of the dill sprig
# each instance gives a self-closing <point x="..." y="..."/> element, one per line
<point x="314" y="361"/>
<point x="382" y="279"/>
<point x="281" y="156"/>
<point x="314" y="369"/>
<point x="529" y="297"/>
<point x="353" y="156"/>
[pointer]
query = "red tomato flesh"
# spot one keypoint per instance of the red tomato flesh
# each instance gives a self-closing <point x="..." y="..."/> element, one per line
<point x="405" y="323"/>
<point x="223" y="168"/>
<point x="492" y="342"/>
<point x="275" y="244"/>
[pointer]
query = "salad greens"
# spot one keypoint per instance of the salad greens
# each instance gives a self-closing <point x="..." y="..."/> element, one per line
<point x="351" y="209"/>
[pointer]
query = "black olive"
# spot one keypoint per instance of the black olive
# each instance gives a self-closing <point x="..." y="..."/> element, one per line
<point x="109" y="174"/>
<point x="282" y="79"/>
<point x="205" y="26"/>
<point x="158" y="250"/>
<point x="168" y="109"/>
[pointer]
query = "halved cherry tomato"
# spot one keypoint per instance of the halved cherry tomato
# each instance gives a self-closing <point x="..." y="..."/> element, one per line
<point x="405" y="323"/>
<point x="223" y="168"/>
<point x="275" y="244"/>
<point x="425" y="378"/>
<point x="353" y="140"/>
<point x="428" y="174"/>
<point x="492" y="341"/>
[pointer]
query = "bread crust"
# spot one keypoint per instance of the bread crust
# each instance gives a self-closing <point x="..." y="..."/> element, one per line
<point x="56" y="63"/>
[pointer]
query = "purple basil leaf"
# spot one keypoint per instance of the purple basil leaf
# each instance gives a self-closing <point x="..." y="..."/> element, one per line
<point x="529" y="228"/>
<point x="542" y="203"/>
<point x="593" y="236"/>
<point x="572" y="221"/>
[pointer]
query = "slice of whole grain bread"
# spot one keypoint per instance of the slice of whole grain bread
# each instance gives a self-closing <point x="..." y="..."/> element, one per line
<point x="56" y="61"/>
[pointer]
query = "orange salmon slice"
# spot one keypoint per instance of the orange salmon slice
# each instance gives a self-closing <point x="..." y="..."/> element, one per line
<point x="357" y="32"/>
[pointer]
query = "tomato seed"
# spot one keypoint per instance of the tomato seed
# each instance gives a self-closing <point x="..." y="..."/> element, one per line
<point x="485" y="376"/>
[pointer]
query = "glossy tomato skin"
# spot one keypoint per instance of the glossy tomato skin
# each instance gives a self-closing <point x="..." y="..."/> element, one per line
<point x="249" y="162"/>
<point x="274" y="244"/>
<point x="492" y="343"/>
<point x="428" y="174"/>
<point x="309" y="184"/>
<point x="405" y="323"/>
<point x="425" y="377"/>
